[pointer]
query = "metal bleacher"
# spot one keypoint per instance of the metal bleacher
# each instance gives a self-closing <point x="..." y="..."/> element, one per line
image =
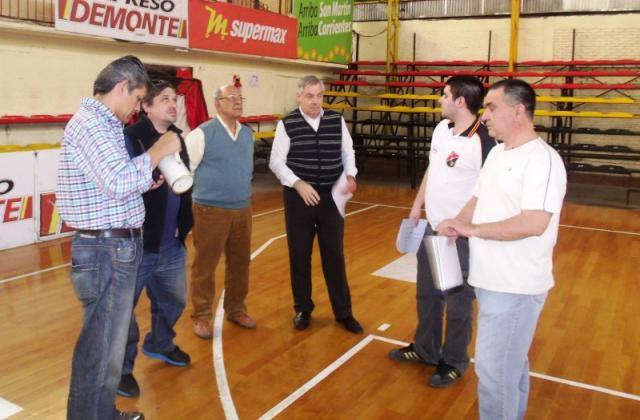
<point x="589" y="110"/>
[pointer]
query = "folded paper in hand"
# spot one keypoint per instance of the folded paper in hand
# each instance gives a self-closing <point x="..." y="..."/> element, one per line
<point x="444" y="262"/>
<point x="410" y="235"/>
<point x="341" y="194"/>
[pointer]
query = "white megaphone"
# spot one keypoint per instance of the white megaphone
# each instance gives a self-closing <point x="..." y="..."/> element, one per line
<point x="176" y="173"/>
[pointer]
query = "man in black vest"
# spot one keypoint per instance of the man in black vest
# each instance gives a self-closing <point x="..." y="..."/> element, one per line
<point x="311" y="149"/>
<point x="168" y="220"/>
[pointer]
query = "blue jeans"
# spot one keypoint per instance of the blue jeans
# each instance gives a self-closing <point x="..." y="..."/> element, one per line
<point x="103" y="273"/>
<point x="506" y="325"/>
<point x="164" y="276"/>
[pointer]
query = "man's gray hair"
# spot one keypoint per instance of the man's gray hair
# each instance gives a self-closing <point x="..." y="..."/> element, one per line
<point x="308" y="81"/>
<point x="219" y="91"/>
<point x="127" y="68"/>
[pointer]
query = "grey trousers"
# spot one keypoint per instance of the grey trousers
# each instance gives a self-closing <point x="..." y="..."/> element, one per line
<point x="431" y="305"/>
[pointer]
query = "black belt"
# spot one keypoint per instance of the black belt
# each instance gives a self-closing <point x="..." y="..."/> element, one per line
<point x="112" y="233"/>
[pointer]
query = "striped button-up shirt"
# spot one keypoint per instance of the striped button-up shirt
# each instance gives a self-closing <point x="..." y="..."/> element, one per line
<point x="99" y="186"/>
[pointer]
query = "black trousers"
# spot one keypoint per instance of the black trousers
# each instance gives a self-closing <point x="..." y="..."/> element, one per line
<point x="303" y="223"/>
<point x="432" y="306"/>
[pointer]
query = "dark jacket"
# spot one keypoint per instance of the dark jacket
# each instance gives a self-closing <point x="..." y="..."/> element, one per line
<point x="140" y="137"/>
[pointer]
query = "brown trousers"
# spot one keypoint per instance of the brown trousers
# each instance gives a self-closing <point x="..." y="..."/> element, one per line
<point x="216" y="230"/>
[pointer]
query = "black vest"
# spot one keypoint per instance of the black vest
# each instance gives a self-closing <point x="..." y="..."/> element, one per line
<point x="315" y="157"/>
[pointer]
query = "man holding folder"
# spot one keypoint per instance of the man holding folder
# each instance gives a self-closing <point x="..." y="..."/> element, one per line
<point x="459" y="146"/>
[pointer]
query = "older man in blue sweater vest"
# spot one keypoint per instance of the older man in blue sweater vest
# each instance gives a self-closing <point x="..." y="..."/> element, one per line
<point x="221" y="155"/>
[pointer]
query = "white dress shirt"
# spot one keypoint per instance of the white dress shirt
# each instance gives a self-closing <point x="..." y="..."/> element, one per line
<point x="282" y="142"/>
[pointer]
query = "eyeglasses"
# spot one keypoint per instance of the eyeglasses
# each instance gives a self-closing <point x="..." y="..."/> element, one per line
<point x="233" y="98"/>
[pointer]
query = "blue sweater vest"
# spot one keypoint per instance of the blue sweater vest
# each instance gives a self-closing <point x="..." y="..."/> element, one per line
<point x="223" y="177"/>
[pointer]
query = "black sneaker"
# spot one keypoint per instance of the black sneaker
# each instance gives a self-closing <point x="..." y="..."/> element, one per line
<point x="444" y="376"/>
<point x="351" y="324"/>
<point x="175" y="357"/>
<point x="128" y="386"/>
<point x="408" y="354"/>
<point x="134" y="415"/>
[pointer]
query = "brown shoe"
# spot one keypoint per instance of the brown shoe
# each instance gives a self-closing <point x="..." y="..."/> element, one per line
<point x="242" y="319"/>
<point x="203" y="329"/>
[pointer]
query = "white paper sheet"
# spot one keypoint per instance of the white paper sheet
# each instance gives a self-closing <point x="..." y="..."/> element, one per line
<point x="410" y="236"/>
<point x="340" y="193"/>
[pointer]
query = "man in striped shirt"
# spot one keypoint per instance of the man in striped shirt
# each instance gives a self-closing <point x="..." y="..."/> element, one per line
<point x="99" y="195"/>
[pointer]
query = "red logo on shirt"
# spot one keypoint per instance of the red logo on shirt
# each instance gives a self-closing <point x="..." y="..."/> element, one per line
<point x="452" y="159"/>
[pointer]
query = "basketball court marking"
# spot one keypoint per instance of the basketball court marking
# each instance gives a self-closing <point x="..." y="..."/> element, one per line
<point x="371" y="205"/>
<point x="277" y="409"/>
<point x="224" y="392"/>
<point x="622" y="232"/>
<point x="268" y="212"/>
<point x="403" y="268"/>
<point x="225" y="396"/>
<point x="8" y="408"/>
<point x="34" y="273"/>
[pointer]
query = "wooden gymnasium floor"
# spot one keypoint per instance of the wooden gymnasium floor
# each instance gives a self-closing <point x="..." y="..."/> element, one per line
<point x="585" y="354"/>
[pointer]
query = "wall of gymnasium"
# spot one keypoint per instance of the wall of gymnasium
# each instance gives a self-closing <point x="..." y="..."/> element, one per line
<point x="47" y="72"/>
<point x="540" y="38"/>
<point x="615" y="36"/>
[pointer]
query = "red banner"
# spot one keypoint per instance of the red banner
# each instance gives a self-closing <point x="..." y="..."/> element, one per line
<point x="225" y="27"/>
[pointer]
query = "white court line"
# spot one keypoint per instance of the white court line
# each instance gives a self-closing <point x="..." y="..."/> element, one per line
<point x="8" y="409"/>
<point x="361" y="210"/>
<point x="545" y="377"/>
<point x="268" y="212"/>
<point x="355" y="349"/>
<point x="266" y="245"/>
<point x="34" y="273"/>
<point x="371" y="205"/>
<point x="622" y="232"/>
<point x="380" y="205"/>
<point x="218" y="359"/>
<point x="218" y="363"/>
<point x="602" y="230"/>
<point x="586" y="386"/>
<point x="226" y="399"/>
<point x="316" y="379"/>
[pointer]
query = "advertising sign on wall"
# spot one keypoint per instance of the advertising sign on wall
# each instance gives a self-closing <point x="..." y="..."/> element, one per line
<point x="49" y="223"/>
<point x="152" y="21"/>
<point x="324" y="29"/>
<point x="225" y="27"/>
<point x="16" y="199"/>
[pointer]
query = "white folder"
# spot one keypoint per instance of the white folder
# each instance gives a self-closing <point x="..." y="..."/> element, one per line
<point x="444" y="262"/>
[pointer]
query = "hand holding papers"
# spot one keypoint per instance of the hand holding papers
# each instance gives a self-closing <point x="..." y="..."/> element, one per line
<point x="444" y="262"/>
<point x="341" y="194"/>
<point x="410" y="235"/>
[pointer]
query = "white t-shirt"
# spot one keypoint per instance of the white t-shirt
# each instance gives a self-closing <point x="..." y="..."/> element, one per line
<point x="529" y="177"/>
<point x="454" y="167"/>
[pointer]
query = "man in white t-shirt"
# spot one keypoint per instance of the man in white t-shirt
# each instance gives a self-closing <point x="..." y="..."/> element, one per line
<point x="512" y="225"/>
<point x="459" y="146"/>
